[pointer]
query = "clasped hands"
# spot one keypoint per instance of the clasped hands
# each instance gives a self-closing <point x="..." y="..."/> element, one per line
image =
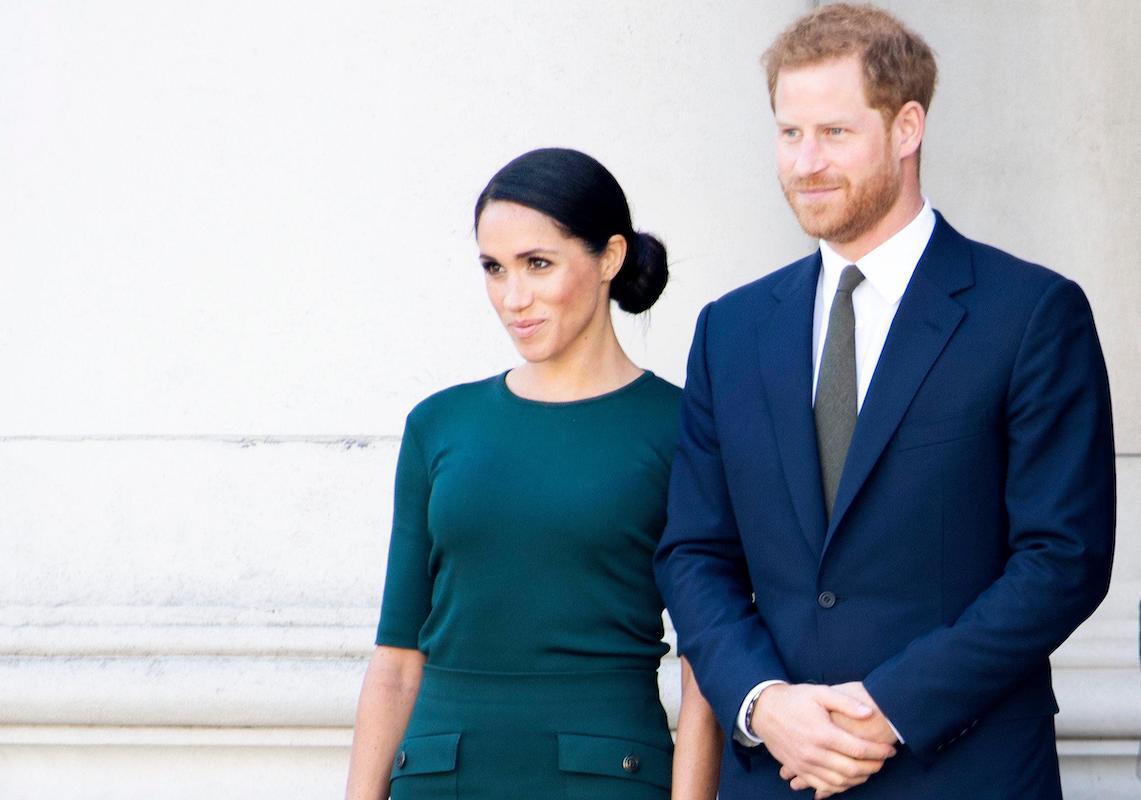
<point x="827" y="738"/>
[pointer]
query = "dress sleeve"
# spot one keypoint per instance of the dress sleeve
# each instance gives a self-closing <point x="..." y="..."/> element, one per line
<point x="408" y="582"/>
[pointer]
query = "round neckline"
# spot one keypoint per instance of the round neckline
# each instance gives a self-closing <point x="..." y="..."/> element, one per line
<point x="501" y="382"/>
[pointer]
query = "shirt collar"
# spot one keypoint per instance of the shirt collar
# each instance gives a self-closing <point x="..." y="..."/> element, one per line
<point x="889" y="267"/>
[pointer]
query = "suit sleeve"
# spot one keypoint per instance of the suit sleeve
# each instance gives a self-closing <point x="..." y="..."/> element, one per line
<point x="408" y="581"/>
<point x="1059" y="497"/>
<point x="700" y="565"/>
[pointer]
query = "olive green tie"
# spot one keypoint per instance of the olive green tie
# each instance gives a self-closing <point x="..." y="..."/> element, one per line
<point x="835" y="408"/>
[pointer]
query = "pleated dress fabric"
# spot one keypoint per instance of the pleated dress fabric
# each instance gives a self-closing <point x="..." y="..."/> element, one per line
<point x="520" y="563"/>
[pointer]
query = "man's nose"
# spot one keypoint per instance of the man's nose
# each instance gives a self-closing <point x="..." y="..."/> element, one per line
<point x="809" y="158"/>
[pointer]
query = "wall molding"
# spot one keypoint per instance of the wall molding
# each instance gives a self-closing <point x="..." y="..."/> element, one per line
<point x="300" y="667"/>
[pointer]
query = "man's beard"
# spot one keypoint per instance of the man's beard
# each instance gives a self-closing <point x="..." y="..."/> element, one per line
<point x="864" y="204"/>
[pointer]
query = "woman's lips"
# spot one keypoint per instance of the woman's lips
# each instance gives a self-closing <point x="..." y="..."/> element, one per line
<point x="525" y="328"/>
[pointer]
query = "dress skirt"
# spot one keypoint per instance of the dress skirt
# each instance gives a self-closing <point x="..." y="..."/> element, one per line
<point x="535" y="736"/>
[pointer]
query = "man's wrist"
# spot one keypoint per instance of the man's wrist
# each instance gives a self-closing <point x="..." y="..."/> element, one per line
<point x="894" y="730"/>
<point x="745" y="733"/>
<point x="876" y="705"/>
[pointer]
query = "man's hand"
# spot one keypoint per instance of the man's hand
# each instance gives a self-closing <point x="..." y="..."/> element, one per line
<point x="874" y="728"/>
<point x="795" y="722"/>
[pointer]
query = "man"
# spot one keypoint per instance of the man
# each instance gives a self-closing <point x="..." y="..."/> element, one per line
<point x="893" y="496"/>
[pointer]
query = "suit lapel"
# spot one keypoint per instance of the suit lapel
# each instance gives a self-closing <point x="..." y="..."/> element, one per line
<point x="785" y="339"/>
<point x="924" y="323"/>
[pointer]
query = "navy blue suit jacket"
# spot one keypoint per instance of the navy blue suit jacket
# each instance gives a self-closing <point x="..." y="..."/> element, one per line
<point x="972" y="531"/>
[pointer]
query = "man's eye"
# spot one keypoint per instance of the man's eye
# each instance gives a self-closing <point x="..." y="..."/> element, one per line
<point x="835" y="131"/>
<point x="789" y="133"/>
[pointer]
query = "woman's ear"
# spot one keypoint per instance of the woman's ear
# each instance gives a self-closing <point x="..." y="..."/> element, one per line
<point x="612" y="256"/>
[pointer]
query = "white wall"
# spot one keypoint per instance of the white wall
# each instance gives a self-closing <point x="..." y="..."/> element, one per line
<point x="235" y="249"/>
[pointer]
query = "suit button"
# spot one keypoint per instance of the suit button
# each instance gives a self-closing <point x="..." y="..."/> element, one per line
<point x="826" y="600"/>
<point x="401" y="759"/>
<point x="631" y="764"/>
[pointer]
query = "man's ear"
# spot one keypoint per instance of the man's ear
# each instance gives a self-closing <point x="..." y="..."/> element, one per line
<point x="908" y="128"/>
<point x="612" y="256"/>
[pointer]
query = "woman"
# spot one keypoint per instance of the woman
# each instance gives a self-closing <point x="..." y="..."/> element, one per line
<point x="520" y="630"/>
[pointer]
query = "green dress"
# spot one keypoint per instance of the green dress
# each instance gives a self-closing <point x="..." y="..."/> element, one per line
<point x="521" y="565"/>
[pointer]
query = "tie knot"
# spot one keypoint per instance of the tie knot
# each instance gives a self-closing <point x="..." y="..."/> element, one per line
<point x="850" y="278"/>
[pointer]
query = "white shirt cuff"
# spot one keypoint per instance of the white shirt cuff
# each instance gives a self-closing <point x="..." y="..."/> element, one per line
<point x="742" y="735"/>
<point x="893" y="730"/>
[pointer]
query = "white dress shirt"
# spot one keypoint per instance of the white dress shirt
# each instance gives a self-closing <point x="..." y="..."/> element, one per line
<point x="887" y="271"/>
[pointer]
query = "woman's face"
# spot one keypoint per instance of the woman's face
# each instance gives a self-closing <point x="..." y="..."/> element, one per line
<point x="550" y="291"/>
